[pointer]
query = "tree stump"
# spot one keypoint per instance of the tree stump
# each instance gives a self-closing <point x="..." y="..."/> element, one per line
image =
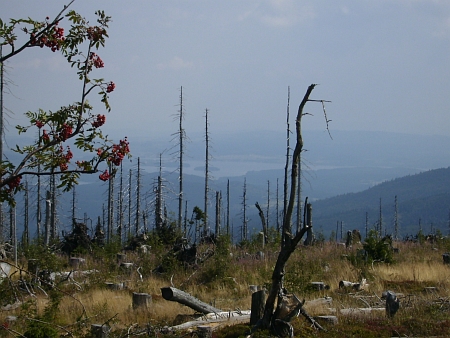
<point x="76" y="262"/>
<point x="33" y="267"/>
<point x="258" y="303"/>
<point x="141" y="300"/>
<point x="115" y="286"/>
<point x="121" y="257"/>
<point x="99" y="330"/>
<point x="392" y="304"/>
<point x="446" y="258"/>
<point x="204" y="331"/>
<point x="319" y="286"/>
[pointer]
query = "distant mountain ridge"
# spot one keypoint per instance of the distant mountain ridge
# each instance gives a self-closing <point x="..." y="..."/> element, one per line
<point x="423" y="201"/>
<point x="333" y="170"/>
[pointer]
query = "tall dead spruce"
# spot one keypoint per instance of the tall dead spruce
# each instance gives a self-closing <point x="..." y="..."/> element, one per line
<point x="277" y="293"/>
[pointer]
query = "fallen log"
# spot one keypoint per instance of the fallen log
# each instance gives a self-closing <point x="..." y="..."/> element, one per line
<point x="360" y="311"/>
<point x="174" y="295"/>
<point x="215" y="320"/>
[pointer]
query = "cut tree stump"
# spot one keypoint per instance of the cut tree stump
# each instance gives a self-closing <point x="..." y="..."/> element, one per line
<point x="115" y="286"/>
<point x="174" y="295"/>
<point x="258" y="303"/>
<point x="99" y="330"/>
<point x="121" y="257"/>
<point x="204" y="331"/>
<point x="141" y="300"/>
<point x="76" y="262"/>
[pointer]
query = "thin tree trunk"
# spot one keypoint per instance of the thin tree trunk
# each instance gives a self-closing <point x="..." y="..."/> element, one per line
<point x="181" y="138"/>
<point x="228" y="208"/>
<point x="120" y="220"/>
<point x="286" y="167"/>
<point x="138" y="197"/>
<point x="289" y="242"/>
<point x="268" y="204"/>
<point x="53" y="230"/>
<point x="48" y="207"/>
<point x="218" y="201"/>
<point x="130" y="178"/>
<point x="1" y="135"/>
<point x="110" y="206"/>
<point x="263" y="222"/>
<point x="38" y="205"/>
<point x="244" y="206"/>
<point x="26" y="230"/>
<point x="74" y="219"/>
<point x="205" y="226"/>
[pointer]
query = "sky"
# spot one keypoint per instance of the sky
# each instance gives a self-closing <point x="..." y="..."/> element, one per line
<point x="384" y="64"/>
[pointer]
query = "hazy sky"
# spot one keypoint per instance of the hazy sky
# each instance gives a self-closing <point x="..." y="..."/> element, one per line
<point x="384" y="64"/>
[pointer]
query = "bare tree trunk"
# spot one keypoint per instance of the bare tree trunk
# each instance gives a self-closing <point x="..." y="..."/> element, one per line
<point x="130" y="184"/>
<point x="175" y="295"/>
<point x="181" y="139"/>
<point x="158" y="202"/>
<point x="53" y="230"/>
<point x="48" y="204"/>
<point x="138" y="197"/>
<point x="38" y="206"/>
<point x="218" y="201"/>
<point x="268" y="204"/>
<point x="26" y="230"/>
<point x="308" y="223"/>
<point x="278" y="210"/>
<point x="228" y="208"/>
<point x="263" y="222"/>
<point x="286" y="167"/>
<point x="74" y="219"/>
<point x="120" y="207"/>
<point x="299" y="195"/>
<point x="110" y="206"/>
<point x="289" y="242"/>
<point x="244" y="217"/>
<point x="205" y="226"/>
<point x="1" y="136"/>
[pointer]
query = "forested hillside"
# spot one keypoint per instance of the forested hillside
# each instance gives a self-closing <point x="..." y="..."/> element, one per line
<point x="423" y="200"/>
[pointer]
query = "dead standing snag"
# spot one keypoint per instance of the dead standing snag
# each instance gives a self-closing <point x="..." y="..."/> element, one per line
<point x="289" y="242"/>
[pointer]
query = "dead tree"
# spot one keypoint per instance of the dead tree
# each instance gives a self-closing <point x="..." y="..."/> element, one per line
<point x="182" y="136"/>
<point x="263" y="222"/>
<point x="289" y="242"/>
<point x="205" y="226"/>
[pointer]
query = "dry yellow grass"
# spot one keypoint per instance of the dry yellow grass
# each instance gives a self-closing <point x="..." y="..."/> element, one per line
<point x="416" y="267"/>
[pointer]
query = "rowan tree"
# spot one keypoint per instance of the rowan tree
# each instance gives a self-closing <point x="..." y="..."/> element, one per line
<point x="71" y="130"/>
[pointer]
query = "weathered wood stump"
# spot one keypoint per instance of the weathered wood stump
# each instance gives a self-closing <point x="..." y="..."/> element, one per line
<point x="430" y="289"/>
<point x="258" y="303"/>
<point x="319" y="286"/>
<point x="126" y="268"/>
<point x="204" y="331"/>
<point x="446" y="258"/>
<point x="392" y="304"/>
<point x="76" y="262"/>
<point x="115" y="286"/>
<point x="33" y="266"/>
<point x="254" y="288"/>
<point x="99" y="330"/>
<point x="121" y="257"/>
<point x="141" y="300"/>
